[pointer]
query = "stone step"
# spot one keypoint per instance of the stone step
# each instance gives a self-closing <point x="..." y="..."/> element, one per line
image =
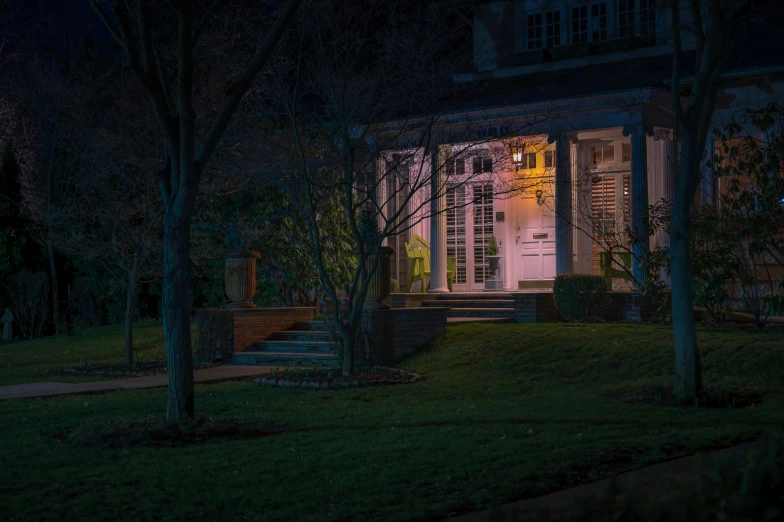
<point x="481" y="312"/>
<point x="294" y="346"/>
<point x="470" y="296"/>
<point x="472" y="303"/>
<point x="310" y="326"/>
<point x="464" y="320"/>
<point x="281" y="359"/>
<point x="302" y="335"/>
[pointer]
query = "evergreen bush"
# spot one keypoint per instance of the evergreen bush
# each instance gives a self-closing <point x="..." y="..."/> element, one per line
<point x="580" y="297"/>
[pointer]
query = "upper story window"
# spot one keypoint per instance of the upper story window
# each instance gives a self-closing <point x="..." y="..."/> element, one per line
<point x="637" y="17"/>
<point x="535" y="31"/>
<point x="553" y="28"/>
<point x="589" y="23"/>
<point x="544" y="30"/>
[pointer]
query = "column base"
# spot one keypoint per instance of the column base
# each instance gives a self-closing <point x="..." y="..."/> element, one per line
<point x="439" y="290"/>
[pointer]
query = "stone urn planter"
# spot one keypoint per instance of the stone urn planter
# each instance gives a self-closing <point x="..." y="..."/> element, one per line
<point x="494" y="283"/>
<point x="495" y="264"/>
<point x="381" y="282"/>
<point x="240" y="278"/>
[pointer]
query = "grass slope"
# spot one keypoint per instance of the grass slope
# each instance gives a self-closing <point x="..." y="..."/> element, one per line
<point x="505" y="412"/>
<point x="39" y="359"/>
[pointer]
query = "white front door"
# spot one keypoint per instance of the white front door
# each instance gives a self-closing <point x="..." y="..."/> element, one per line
<point x="536" y="231"/>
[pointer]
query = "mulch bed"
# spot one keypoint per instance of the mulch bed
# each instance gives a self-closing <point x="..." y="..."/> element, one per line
<point x="332" y="379"/>
<point x="117" y="369"/>
<point x="154" y="432"/>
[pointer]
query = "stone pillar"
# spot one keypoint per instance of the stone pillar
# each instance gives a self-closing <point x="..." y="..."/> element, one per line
<point x="639" y="198"/>
<point x="564" y="223"/>
<point x="438" y="281"/>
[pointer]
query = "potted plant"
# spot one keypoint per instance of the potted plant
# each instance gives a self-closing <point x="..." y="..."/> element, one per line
<point x="491" y="250"/>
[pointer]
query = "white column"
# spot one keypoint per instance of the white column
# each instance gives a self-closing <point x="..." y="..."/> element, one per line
<point x="639" y="198"/>
<point x="437" y="225"/>
<point x="666" y="184"/>
<point x="564" y="228"/>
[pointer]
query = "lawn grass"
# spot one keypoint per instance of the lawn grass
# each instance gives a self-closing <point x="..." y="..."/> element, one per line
<point x="39" y="359"/>
<point x="504" y="412"/>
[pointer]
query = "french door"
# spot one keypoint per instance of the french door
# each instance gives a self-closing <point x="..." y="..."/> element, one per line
<point x="469" y="228"/>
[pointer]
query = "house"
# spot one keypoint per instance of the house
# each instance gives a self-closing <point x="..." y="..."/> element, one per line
<point x="587" y="81"/>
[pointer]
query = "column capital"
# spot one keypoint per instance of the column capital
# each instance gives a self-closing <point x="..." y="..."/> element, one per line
<point x="661" y="133"/>
<point x="555" y="136"/>
<point x="637" y="128"/>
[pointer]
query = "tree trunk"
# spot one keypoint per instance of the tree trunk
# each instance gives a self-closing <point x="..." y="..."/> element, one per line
<point x="177" y="311"/>
<point x="55" y="287"/>
<point x="349" y="344"/>
<point x="130" y="308"/>
<point x="688" y="371"/>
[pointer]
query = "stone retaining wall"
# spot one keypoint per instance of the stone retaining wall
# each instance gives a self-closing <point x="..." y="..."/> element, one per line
<point x="535" y="307"/>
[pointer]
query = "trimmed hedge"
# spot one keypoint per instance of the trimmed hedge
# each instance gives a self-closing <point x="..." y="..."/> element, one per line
<point x="580" y="297"/>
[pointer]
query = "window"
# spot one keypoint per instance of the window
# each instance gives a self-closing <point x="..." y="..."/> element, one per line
<point x="483" y="229"/>
<point x="603" y="155"/>
<point x="606" y="199"/>
<point x="528" y="161"/>
<point x="535" y="31"/>
<point x="599" y="22"/>
<point x="637" y="18"/>
<point x="482" y="165"/>
<point x="647" y="12"/>
<point x="456" y="229"/>
<point x="455" y="167"/>
<point x="548" y="159"/>
<point x="625" y="18"/>
<point x="580" y="24"/>
<point x="553" y="21"/>
<point x="589" y="25"/>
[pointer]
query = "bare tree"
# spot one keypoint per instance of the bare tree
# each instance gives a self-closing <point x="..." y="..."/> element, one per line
<point x="364" y="99"/>
<point x="187" y="146"/>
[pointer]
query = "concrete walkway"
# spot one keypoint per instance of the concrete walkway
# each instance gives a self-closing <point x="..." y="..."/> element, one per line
<point x="51" y="389"/>
<point x="654" y="480"/>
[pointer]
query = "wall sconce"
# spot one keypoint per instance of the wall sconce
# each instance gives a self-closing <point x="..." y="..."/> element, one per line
<point x="517" y="157"/>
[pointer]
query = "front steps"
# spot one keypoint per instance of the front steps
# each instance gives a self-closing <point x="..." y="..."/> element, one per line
<point x="305" y="344"/>
<point x="474" y="307"/>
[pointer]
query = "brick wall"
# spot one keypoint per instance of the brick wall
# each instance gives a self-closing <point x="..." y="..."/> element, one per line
<point x="406" y="300"/>
<point x="538" y="307"/>
<point x="253" y="325"/>
<point x="387" y="336"/>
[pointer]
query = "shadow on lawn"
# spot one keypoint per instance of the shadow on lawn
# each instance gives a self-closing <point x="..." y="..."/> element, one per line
<point x="154" y="432"/>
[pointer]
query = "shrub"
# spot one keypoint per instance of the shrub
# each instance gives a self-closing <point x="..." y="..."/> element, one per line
<point x="580" y="297"/>
<point x="394" y="286"/>
<point x="492" y="247"/>
<point x="30" y="302"/>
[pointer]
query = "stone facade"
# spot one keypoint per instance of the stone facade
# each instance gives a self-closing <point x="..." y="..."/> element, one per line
<point x="387" y="336"/>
